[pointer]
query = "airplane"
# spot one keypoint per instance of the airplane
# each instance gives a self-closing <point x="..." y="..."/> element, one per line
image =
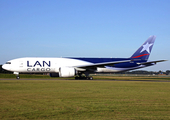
<point x="80" y="68"/>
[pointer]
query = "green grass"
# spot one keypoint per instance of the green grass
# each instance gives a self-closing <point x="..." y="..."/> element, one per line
<point x="74" y="99"/>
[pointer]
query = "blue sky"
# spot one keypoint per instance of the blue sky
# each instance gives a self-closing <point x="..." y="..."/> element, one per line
<point x="84" y="28"/>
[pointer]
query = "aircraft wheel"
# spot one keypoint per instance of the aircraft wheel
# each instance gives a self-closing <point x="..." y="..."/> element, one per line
<point x="18" y="77"/>
<point x="83" y="78"/>
<point x="89" y="78"/>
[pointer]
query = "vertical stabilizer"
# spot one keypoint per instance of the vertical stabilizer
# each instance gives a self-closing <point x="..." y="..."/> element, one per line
<point x="144" y="51"/>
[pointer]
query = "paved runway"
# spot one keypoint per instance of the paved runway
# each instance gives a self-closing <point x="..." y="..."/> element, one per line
<point x="86" y="80"/>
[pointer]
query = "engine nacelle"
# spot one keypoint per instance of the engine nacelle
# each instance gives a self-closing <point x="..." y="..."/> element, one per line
<point x="54" y="74"/>
<point x="67" y="72"/>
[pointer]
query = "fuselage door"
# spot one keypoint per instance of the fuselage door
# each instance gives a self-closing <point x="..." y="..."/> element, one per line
<point x="21" y="64"/>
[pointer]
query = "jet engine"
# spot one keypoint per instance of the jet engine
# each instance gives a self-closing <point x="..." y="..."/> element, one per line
<point x="67" y="72"/>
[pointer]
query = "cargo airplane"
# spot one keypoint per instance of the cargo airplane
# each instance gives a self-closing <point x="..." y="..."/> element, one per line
<point x="80" y="68"/>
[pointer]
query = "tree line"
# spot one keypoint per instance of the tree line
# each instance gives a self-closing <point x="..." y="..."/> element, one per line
<point x="167" y="72"/>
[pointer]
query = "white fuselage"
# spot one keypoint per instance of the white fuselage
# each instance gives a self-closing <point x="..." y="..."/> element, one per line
<point x="46" y="65"/>
<point x="53" y="65"/>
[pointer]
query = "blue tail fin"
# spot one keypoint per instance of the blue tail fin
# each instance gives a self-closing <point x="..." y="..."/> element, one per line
<point x="144" y="51"/>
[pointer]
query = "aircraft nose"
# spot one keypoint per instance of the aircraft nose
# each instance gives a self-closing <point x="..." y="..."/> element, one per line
<point x="6" y="67"/>
<point x="3" y="67"/>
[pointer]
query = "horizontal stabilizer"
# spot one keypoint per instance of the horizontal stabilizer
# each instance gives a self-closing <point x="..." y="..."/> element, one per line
<point x="144" y="63"/>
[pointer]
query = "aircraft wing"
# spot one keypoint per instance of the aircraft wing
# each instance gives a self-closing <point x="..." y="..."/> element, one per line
<point x="94" y="66"/>
<point x="144" y="63"/>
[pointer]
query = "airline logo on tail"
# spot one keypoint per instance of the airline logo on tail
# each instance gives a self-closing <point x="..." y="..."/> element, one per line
<point x="146" y="47"/>
<point x="144" y="51"/>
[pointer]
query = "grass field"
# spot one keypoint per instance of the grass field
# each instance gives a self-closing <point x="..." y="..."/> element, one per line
<point x="84" y="99"/>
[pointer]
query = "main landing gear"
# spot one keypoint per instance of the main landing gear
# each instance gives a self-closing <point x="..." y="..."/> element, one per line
<point x="83" y="77"/>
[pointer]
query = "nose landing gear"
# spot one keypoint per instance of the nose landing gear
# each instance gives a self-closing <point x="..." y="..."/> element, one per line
<point x="17" y="75"/>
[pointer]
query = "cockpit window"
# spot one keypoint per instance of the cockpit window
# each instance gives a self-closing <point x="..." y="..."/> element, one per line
<point x="8" y="62"/>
